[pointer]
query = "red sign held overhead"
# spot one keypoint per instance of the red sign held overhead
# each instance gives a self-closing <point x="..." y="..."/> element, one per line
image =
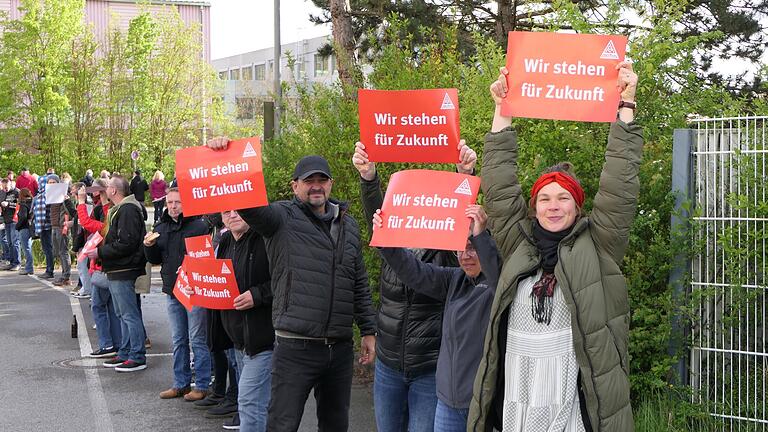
<point x="212" y="280"/>
<point x="199" y="247"/>
<point x="410" y="125"/>
<point x="425" y="209"/>
<point x="563" y="76"/>
<point x="217" y="180"/>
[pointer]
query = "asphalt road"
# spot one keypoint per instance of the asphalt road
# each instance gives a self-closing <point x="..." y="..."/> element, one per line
<point x="49" y="385"/>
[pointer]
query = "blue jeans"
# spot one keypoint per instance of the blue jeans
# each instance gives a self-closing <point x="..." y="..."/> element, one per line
<point x="25" y="243"/>
<point x="46" y="242"/>
<point x="107" y="324"/>
<point x="4" y="245"/>
<point x="131" y="326"/>
<point x="449" y="419"/>
<point x="85" y="277"/>
<point x="254" y="387"/>
<point x="189" y="329"/>
<point x="12" y="241"/>
<point x="403" y="403"/>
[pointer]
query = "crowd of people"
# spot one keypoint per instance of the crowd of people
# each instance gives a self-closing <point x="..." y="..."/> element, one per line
<point x="538" y="278"/>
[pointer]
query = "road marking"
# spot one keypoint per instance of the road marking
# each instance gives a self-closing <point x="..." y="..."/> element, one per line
<point x="101" y="417"/>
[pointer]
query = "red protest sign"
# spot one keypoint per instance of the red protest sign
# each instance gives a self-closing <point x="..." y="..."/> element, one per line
<point x="217" y="180"/>
<point x="213" y="281"/>
<point x="425" y="209"/>
<point x="410" y="125"/>
<point x="563" y="76"/>
<point x="89" y="249"/>
<point x="182" y="282"/>
<point x="199" y="247"/>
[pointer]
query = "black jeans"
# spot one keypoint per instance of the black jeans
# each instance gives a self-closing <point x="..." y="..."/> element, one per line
<point x="300" y="365"/>
<point x="159" y="206"/>
<point x="222" y="369"/>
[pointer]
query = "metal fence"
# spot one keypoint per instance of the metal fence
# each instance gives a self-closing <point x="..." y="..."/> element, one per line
<point x="728" y="362"/>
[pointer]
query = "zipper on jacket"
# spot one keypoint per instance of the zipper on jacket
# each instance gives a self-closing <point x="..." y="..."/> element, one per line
<point x="405" y="327"/>
<point x="334" y="247"/>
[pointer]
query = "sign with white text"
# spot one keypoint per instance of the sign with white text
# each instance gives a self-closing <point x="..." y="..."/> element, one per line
<point x="212" y="280"/>
<point x="563" y="76"/>
<point x="410" y="125"/>
<point x="199" y="247"/>
<point x="216" y="180"/>
<point x="425" y="209"/>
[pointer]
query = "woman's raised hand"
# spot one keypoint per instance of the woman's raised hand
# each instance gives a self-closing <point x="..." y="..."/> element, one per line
<point x="499" y="87"/>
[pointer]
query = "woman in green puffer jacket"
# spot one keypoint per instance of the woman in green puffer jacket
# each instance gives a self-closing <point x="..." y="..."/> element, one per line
<point x="555" y="355"/>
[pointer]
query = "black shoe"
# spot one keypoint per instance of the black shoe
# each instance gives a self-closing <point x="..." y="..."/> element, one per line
<point x="131" y="366"/>
<point x="224" y="409"/>
<point x="46" y="276"/>
<point x="103" y="353"/>
<point x="233" y="423"/>
<point x="210" y="401"/>
<point x="113" y="362"/>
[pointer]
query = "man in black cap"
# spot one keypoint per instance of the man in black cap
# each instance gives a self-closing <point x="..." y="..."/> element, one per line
<point x="320" y="288"/>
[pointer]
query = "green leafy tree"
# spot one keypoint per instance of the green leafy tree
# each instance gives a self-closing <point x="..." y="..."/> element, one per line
<point x="34" y="73"/>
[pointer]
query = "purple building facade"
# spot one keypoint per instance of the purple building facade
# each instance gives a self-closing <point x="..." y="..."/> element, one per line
<point x="100" y="13"/>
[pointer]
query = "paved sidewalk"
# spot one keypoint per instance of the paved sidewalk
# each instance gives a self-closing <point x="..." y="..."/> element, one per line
<point x="49" y="386"/>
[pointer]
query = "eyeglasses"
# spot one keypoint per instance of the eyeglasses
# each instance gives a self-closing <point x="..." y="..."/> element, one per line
<point x="468" y="252"/>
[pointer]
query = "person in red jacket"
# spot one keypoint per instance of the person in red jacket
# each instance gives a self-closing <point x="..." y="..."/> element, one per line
<point x="107" y="323"/>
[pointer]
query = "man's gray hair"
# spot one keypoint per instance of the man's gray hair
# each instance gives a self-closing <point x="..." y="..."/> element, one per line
<point x="121" y="184"/>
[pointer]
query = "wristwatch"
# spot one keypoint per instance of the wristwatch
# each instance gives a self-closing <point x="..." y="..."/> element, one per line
<point x="625" y="104"/>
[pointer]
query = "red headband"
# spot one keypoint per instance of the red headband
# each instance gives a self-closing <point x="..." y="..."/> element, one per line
<point x="564" y="180"/>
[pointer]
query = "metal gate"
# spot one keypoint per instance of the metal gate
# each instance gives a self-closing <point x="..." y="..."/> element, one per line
<point x="728" y="362"/>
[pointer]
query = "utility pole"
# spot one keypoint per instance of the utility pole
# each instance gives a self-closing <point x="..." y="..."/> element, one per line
<point x="278" y="89"/>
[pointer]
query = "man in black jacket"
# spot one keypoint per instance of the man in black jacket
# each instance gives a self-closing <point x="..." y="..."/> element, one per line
<point x="139" y="187"/>
<point x="320" y="288"/>
<point x="9" y="198"/>
<point x="122" y="257"/>
<point x="409" y="323"/>
<point x="188" y="329"/>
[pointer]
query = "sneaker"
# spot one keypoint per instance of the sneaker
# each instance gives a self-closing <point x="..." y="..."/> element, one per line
<point x="5" y="267"/>
<point x="103" y="353"/>
<point x="174" y="392"/>
<point x="131" y="366"/>
<point x="81" y="295"/>
<point x="23" y="272"/>
<point x="233" y="423"/>
<point x="46" y="276"/>
<point x="13" y="268"/>
<point x="210" y="401"/>
<point x="225" y="409"/>
<point x="147" y="343"/>
<point x="62" y="282"/>
<point x="195" y="395"/>
<point x="113" y="362"/>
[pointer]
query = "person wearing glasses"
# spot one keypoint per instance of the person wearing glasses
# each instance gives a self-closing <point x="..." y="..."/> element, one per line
<point x="468" y="293"/>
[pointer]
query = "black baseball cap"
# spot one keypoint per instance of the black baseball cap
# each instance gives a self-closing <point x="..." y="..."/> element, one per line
<point x="309" y="165"/>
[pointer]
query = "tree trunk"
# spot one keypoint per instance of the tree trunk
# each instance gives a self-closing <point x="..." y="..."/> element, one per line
<point x="505" y="22"/>
<point x="344" y="47"/>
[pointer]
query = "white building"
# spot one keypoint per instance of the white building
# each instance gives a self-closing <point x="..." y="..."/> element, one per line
<point x="249" y="77"/>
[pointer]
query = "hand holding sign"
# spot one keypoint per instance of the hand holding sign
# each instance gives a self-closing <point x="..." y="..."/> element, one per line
<point x="479" y="218"/>
<point x="365" y="167"/>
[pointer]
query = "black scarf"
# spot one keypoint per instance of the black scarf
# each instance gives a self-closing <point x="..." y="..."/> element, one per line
<point x="547" y="243"/>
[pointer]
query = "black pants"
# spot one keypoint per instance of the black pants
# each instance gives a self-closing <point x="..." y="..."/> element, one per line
<point x="159" y="205"/>
<point x="222" y="369"/>
<point x="300" y="365"/>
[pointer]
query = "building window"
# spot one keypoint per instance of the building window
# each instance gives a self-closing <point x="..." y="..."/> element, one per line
<point x="261" y="72"/>
<point x="301" y="65"/>
<point x="234" y="74"/>
<point x="321" y="65"/>
<point x="223" y="75"/>
<point x="247" y="73"/>
<point x="246" y="108"/>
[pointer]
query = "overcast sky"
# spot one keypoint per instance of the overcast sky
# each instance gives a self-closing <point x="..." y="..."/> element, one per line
<point x="239" y="26"/>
